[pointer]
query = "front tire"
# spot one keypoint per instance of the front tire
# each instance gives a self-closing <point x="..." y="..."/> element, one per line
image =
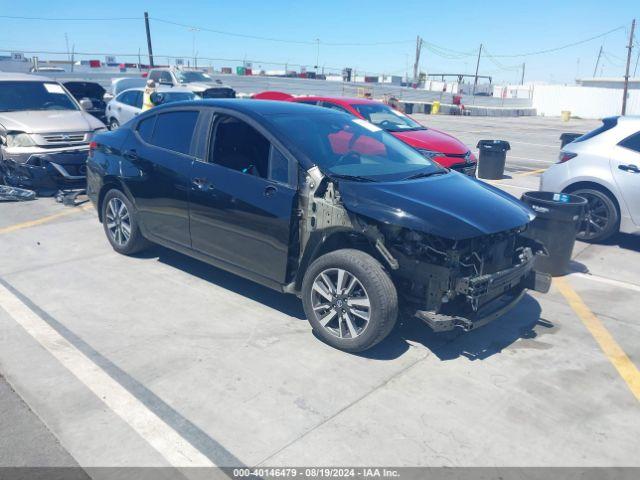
<point x="114" y="124"/>
<point x="602" y="219"/>
<point x="349" y="299"/>
<point x="120" y="222"/>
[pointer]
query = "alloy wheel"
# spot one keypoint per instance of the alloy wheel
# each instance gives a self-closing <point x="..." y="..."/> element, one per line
<point x="341" y="303"/>
<point x="596" y="219"/>
<point x="118" y="221"/>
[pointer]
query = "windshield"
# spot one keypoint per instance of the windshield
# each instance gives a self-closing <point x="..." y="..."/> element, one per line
<point x="189" y="77"/>
<point x="20" y="96"/>
<point x="351" y="147"/>
<point x="386" y="117"/>
<point x="85" y="89"/>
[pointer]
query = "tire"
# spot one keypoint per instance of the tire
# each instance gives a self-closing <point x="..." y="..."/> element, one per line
<point x="602" y="220"/>
<point x="353" y="327"/>
<point x="120" y="223"/>
<point x="113" y="124"/>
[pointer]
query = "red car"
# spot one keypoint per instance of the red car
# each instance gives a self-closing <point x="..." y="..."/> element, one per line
<point x="434" y="144"/>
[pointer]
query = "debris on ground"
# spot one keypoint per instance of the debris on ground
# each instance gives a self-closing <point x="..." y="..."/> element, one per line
<point x="14" y="194"/>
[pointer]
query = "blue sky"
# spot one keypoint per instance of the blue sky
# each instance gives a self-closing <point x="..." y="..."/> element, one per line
<point x="504" y="27"/>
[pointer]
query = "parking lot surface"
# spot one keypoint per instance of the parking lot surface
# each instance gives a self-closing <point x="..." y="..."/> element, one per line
<point x="161" y="360"/>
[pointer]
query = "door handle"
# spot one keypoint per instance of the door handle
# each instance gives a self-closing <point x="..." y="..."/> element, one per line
<point x="270" y="190"/>
<point x="629" y="168"/>
<point x="202" y="183"/>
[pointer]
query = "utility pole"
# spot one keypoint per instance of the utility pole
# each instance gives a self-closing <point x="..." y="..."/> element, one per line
<point x="626" y="74"/>
<point x="317" y="54"/>
<point x="66" y="40"/>
<point x="139" y="60"/>
<point x="595" y="70"/>
<point x="417" y="62"/>
<point x="475" y="80"/>
<point x="522" y="79"/>
<point x="146" y="24"/>
<point x="636" y="67"/>
<point x="73" y="53"/>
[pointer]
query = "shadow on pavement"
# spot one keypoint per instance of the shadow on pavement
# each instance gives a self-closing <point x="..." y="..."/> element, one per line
<point x="479" y="344"/>
<point x="287" y="304"/>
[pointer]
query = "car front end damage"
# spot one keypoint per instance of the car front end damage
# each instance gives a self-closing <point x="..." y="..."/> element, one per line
<point x="465" y="283"/>
<point x="447" y="283"/>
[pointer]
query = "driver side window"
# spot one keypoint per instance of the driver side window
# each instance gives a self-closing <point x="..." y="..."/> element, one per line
<point x="240" y="147"/>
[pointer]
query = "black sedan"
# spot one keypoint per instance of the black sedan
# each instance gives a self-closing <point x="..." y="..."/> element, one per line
<point x="316" y="203"/>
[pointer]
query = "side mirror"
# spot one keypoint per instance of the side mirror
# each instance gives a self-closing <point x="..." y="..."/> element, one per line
<point x="86" y="104"/>
<point x="107" y="97"/>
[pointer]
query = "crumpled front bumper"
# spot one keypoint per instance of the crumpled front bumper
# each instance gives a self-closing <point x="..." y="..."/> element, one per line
<point x="45" y="171"/>
<point x="489" y="296"/>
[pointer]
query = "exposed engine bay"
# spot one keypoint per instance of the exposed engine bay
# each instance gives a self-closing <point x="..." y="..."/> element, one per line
<point x="445" y="282"/>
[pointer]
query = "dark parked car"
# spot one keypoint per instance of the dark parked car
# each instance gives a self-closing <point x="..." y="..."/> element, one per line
<point x="320" y="204"/>
<point x="92" y="91"/>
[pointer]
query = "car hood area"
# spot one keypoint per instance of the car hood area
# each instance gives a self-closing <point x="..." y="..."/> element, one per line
<point x="431" y="139"/>
<point x="43" y="121"/>
<point x="451" y="206"/>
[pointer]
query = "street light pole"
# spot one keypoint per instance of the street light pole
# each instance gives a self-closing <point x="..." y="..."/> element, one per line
<point x="317" y="54"/>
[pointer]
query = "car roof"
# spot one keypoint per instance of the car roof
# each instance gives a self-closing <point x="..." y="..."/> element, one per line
<point x="24" y="77"/>
<point x="255" y="108"/>
<point x="338" y="100"/>
<point x="161" y="89"/>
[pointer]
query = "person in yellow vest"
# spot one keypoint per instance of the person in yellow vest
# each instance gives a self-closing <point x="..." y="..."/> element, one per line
<point x="149" y="90"/>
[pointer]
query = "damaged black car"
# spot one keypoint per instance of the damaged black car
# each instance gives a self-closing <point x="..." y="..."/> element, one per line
<point x="319" y="204"/>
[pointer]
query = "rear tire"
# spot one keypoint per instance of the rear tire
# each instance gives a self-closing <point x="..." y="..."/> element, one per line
<point x="120" y="222"/>
<point x="349" y="299"/>
<point x="114" y="124"/>
<point x="602" y="219"/>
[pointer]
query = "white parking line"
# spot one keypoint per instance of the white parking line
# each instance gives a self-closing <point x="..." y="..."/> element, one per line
<point x="609" y="281"/>
<point x="165" y="440"/>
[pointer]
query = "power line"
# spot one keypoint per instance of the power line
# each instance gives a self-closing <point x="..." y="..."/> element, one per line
<point x="73" y="19"/>
<point x="555" y="49"/>
<point x="280" y="40"/>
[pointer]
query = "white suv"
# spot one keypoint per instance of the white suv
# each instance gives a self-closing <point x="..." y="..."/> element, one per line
<point x="602" y="166"/>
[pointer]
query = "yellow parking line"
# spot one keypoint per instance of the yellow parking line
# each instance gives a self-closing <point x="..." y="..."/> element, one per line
<point x="40" y="221"/>
<point x="618" y="358"/>
<point x="532" y="172"/>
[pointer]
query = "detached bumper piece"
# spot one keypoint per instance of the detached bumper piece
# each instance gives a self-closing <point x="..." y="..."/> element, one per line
<point x="488" y="297"/>
<point x="47" y="173"/>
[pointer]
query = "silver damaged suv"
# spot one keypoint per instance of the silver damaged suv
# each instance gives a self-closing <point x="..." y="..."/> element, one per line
<point x="44" y="134"/>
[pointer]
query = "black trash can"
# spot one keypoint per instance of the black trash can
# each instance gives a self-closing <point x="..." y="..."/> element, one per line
<point x="493" y="155"/>
<point x="558" y="217"/>
<point x="408" y="108"/>
<point x="568" y="138"/>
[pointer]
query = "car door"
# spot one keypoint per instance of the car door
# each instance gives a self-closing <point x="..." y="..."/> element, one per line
<point x="625" y="166"/>
<point x="157" y="165"/>
<point x="126" y="108"/>
<point x="242" y="198"/>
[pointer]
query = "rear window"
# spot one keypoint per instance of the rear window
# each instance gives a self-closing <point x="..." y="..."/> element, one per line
<point x="607" y="124"/>
<point x="174" y="131"/>
<point x="632" y="142"/>
<point x="145" y="128"/>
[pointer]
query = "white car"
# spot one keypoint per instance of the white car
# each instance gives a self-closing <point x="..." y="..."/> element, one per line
<point x="602" y="166"/>
<point x="128" y="104"/>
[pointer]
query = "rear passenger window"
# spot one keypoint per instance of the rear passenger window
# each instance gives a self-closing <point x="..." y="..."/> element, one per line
<point x="174" y="131"/>
<point x="145" y="128"/>
<point x="632" y="142"/>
